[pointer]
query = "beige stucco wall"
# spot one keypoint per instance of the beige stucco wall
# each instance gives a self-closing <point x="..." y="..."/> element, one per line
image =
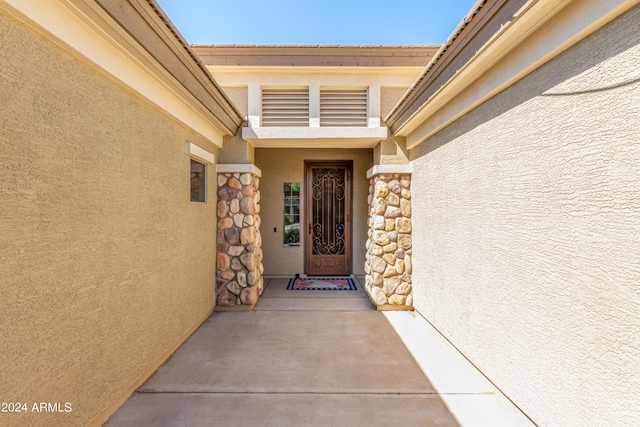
<point x="389" y="97"/>
<point x="282" y="165"/>
<point x="527" y="234"/>
<point x="239" y="95"/>
<point x="104" y="262"/>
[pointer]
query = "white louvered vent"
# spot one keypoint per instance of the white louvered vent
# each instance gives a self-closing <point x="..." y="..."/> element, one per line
<point x="343" y="107"/>
<point x="285" y="107"/>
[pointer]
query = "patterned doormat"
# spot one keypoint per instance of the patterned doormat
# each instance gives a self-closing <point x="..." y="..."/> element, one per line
<point x="322" y="284"/>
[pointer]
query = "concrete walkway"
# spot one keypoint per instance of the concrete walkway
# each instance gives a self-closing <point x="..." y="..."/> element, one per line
<point x="316" y="358"/>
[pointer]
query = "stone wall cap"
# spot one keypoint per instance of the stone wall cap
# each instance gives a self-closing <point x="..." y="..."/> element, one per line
<point x="239" y="168"/>
<point x="379" y="169"/>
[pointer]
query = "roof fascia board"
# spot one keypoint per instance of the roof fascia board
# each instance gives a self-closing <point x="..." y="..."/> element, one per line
<point x="541" y="30"/>
<point x="315" y="55"/>
<point x="480" y="25"/>
<point x="149" y="26"/>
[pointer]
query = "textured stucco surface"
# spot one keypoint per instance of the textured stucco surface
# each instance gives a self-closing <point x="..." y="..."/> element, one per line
<point x="104" y="262"/>
<point x="527" y="234"/>
<point x="389" y="96"/>
<point x="287" y="165"/>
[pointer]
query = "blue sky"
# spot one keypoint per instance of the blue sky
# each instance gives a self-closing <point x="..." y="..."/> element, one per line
<point x="319" y="22"/>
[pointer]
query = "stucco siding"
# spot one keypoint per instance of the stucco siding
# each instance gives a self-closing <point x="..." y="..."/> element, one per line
<point x="287" y="165"/>
<point x="104" y="262"/>
<point x="527" y="234"/>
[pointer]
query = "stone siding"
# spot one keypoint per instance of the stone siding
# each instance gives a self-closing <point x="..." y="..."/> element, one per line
<point x="239" y="259"/>
<point x="388" y="259"/>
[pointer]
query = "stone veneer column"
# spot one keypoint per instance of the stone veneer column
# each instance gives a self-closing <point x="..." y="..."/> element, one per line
<point x="388" y="261"/>
<point x="239" y="254"/>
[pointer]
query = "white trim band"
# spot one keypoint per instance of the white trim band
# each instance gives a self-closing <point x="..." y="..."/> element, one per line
<point x="379" y="169"/>
<point x="239" y="168"/>
<point x="200" y="153"/>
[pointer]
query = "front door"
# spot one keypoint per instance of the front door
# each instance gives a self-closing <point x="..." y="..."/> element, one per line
<point x="328" y="217"/>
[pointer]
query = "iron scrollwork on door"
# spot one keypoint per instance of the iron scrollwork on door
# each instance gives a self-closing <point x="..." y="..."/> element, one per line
<point x="328" y="210"/>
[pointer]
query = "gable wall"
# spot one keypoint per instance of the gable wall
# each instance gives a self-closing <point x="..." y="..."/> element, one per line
<point x="105" y="264"/>
<point x="527" y="228"/>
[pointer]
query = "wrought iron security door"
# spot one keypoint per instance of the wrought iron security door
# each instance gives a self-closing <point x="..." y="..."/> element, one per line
<point x="328" y="218"/>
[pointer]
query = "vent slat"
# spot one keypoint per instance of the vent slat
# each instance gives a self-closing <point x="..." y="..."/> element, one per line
<point x="346" y="107"/>
<point x="285" y="107"/>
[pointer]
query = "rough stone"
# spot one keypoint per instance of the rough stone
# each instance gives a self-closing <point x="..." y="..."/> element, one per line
<point x="408" y="264"/>
<point x="248" y="260"/>
<point x="226" y="193"/>
<point x="250" y="247"/>
<point x="394" y="186"/>
<point x="392" y="199"/>
<point x="257" y="196"/>
<point x="236" y="264"/>
<point x="390" y="285"/>
<point x="409" y="301"/>
<point x="228" y="275"/>
<point x="392" y="212"/>
<point x="226" y="298"/>
<point x="248" y="235"/>
<point x="236" y="250"/>
<point x="393" y="236"/>
<point x="403" y="225"/>
<point x="391" y="247"/>
<point x="223" y="209"/>
<point x="247" y="206"/>
<point x="249" y="296"/>
<point x="245" y="179"/>
<point x="225" y="223"/>
<point x="369" y="199"/>
<point x="256" y="182"/>
<point x="389" y="225"/>
<point x="377" y="279"/>
<point x="406" y="194"/>
<point x="248" y="220"/>
<point x="404" y="288"/>
<point x="381" y="238"/>
<point x="400" y="266"/>
<point x="378" y="222"/>
<point x="399" y="254"/>
<point x="405" y="208"/>
<point x="232" y="235"/>
<point x="238" y="219"/>
<point x="376" y="250"/>
<point x="389" y="259"/>
<point x="235" y="184"/>
<point x="251" y="278"/>
<point x="220" y="284"/>
<point x="222" y="247"/>
<point x="377" y="296"/>
<point x="378" y="265"/>
<point x="379" y="206"/>
<point x="381" y="189"/>
<point x="405" y="182"/>
<point x="222" y="180"/>
<point x="248" y="191"/>
<point x="397" y="299"/>
<point x="404" y="241"/>
<point x="390" y="271"/>
<point x="234" y="288"/>
<point x="219" y="238"/>
<point x="234" y="206"/>
<point x="222" y="262"/>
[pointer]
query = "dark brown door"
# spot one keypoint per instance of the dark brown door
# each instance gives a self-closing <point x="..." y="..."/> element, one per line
<point x="328" y="217"/>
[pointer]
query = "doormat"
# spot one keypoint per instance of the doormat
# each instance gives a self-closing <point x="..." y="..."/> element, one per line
<point x="322" y="284"/>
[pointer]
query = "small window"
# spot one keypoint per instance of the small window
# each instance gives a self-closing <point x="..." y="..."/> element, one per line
<point x="291" y="213"/>
<point x="198" y="180"/>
